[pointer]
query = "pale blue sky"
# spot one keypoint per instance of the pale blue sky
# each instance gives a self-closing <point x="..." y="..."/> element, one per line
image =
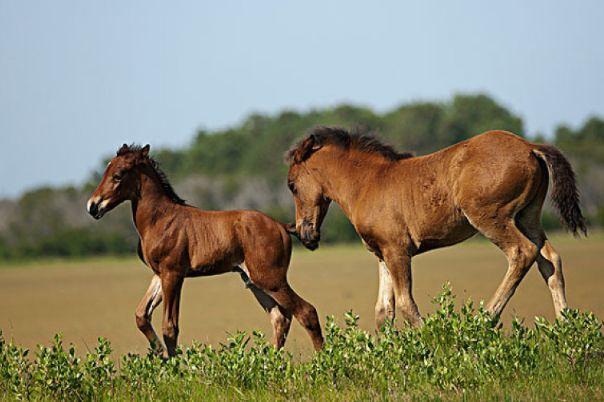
<point x="78" y="78"/>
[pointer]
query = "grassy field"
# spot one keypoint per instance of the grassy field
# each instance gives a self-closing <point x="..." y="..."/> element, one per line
<point x="454" y="356"/>
<point x="90" y="298"/>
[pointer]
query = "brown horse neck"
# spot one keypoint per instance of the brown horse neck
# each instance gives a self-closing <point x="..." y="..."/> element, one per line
<point x="150" y="199"/>
<point x="345" y="167"/>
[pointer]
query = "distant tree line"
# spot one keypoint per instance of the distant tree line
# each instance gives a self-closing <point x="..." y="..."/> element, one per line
<point x="242" y="167"/>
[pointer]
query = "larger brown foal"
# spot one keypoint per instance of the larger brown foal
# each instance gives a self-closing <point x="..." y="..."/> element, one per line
<point x="179" y="241"/>
<point x="401" y="206"/>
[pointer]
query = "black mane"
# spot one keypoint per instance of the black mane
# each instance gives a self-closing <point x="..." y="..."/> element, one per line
<point x="360" y="140"/>
<point x="163" y="179"/>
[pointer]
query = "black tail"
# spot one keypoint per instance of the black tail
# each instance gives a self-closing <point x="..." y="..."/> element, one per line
<point x="565" y="195"/>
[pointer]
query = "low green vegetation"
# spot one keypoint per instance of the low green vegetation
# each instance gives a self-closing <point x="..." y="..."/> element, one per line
<point x="458" y="354"/>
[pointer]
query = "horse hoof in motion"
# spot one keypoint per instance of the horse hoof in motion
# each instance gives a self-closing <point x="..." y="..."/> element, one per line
<point x="401" y="205"/>
<point x="178" y="241"/>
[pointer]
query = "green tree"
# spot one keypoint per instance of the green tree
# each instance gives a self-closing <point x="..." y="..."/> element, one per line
<point x="469" y="115"/>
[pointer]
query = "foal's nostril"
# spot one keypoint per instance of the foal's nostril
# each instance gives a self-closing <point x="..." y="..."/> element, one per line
<point x="311" y="244"/>
<point x="309" y="236"/>
<point x="93" y="209"/>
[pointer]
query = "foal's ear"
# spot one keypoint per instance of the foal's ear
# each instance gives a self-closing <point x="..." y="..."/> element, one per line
<point x="145" y="151"/>
<point x="306" y="149"/>
<point x="123" y="149"/>
<point x="142" y="155"/>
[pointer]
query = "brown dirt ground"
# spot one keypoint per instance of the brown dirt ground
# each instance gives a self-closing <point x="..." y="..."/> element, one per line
<point x="89" y="298"/>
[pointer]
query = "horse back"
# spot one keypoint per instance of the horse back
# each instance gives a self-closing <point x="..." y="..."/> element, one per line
<point x="431" y="197"/>
<point x="220" y="240"/>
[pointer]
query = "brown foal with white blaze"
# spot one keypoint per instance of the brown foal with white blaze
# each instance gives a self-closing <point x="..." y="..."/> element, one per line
<point x="401" y="205"/>
<point x="179" y="241"/>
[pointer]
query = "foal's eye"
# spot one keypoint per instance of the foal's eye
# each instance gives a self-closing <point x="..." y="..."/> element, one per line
<point x="117" y="177"/>
<point x="292" y="187"/>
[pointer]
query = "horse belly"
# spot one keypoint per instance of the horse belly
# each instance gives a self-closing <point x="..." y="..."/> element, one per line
<point x="213" y="266"/>
<point x="443" y="233"/>
<point x="214" y="258"/>
<point x="209" y="270"/>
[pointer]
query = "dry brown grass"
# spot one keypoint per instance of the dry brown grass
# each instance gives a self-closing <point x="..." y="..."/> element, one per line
<point x="90" y="298"/>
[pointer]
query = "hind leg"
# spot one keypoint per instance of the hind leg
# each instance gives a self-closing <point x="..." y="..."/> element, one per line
<point x="268" y="271"/>
<point x="521" y="253"/>
<point x="550" y="266"/>
<point x="280" y="318"/>
<point x="305" y="313"/>
<point x="548" y="260"/>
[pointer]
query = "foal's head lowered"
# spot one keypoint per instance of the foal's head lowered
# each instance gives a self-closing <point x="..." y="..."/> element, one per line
<point x="120" y="181"/>
<point x="311" y="202"/>
<point x="309" y="163"/>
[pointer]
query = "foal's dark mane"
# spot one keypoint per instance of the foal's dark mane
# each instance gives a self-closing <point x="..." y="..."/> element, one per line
<point x="163" y="179"/>
<point x="363" y="141"/>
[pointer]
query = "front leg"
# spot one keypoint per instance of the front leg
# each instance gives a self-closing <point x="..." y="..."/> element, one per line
<point x="145" y="308"/>
<point x="384" y="307"/>
<point x="399" y="267"/>
<point x="171" y="283"/>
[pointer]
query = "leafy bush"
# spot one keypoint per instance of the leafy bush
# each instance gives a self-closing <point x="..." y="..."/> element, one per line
<point x="456" y="350"/>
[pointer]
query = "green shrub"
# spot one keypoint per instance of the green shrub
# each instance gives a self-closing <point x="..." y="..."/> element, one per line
<point x="456" y="351"/>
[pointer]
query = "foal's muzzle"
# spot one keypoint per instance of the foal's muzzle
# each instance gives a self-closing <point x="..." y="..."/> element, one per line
<point x="96" y="207"/>
<point x="309" y="236"/>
